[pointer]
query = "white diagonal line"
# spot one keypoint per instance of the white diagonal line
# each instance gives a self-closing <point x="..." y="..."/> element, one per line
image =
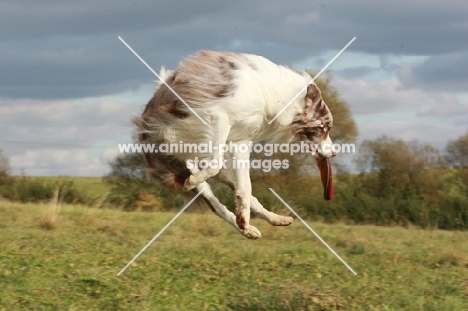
<point x="154" y="72"/>
<point x="312" y="80"/>
<point x="160" y="232"/>
<point x="313" y="231"/>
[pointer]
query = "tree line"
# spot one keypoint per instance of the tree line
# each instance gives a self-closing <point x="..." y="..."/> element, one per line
<point x="397" y="182"/>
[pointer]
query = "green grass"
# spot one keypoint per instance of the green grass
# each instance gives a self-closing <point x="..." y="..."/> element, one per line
<point x="68" y="258"/>
<point x="91" y="186"/>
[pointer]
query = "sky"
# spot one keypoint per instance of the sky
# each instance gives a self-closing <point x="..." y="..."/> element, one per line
<point x="69" y="87"/>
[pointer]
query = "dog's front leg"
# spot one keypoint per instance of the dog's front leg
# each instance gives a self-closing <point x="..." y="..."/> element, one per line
<point x="242" y="186"/>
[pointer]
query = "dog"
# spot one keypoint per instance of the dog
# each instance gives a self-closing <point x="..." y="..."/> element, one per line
<point x="236" y="95"/>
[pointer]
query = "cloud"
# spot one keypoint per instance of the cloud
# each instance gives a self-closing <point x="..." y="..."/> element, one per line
<point x="446" y="73"/>
<point x="64" y="113"/>
<point x="447" y="109"/>
<point x="371" y="97"/>
<point x="390" y="108"/>
<point x="35" y="124"/>
<point x="58" y="162"/>
<point x="436" y="134"/>
<point x="38" y="134"/>
<point x="55" y="49"/>
<point x="109" y="154"/>
<point x="52" y="18"/>
<point x="410" y="22"/>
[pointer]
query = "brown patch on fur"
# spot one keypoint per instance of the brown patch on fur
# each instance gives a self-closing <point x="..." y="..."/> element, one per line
<point x="321" y="111"/>
<point x="313" y="93"/>
<point x="176" y="108"/>
<point x="240" y="220"/>
<point x="222" y="91"/>
<point x="233" y="65"/>
<point x="206" y="76"/>
<point x="164" y="100"/>
<point x="252" y="66"/>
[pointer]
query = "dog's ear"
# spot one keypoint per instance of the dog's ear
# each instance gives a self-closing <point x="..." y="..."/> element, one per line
<point x="313" y="96"/>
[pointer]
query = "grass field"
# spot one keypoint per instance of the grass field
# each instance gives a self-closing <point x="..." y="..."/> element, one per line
<point x="67" y="258"/>
<point x="91" y="186"/>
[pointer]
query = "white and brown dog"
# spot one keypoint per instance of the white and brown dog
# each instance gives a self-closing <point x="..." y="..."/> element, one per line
<point x="237" y="95"/>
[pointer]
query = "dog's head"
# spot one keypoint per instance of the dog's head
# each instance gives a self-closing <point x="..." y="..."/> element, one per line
<point x="313" y="126"/>
<point x="315" y="123"/>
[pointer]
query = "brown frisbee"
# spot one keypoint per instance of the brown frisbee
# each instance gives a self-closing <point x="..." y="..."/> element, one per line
<point x="326" y="176"/>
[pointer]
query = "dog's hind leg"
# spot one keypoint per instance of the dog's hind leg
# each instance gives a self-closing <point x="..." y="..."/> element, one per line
<point x="229" y="177"/>
<point x="215" y="162"/>
<point x="272" y="218"/>
<point x="219" y="209"/>
<point x="236" y="175"/>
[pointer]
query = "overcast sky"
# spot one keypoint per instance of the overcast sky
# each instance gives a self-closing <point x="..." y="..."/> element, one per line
<point x="68" y="86"/>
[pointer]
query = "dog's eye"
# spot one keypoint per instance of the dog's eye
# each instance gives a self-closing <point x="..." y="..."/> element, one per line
<point x="325" y="129"/>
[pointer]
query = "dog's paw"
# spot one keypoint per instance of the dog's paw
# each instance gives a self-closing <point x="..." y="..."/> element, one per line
<point x="250" y="232"/>
<point x="282" y="221"/>
<point x="188" y="185"/>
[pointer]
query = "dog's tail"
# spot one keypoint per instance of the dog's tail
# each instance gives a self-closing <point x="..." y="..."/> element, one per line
<point x="170" y="172"/>
<point x="165" y="169"/>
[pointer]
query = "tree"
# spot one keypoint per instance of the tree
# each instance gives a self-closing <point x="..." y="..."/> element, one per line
<point x="130" y="189"/>
<point x="127" y="180"/>
<point x="457" y="152"/>
<point x="457" y="156"/>
<point x="130" y="166"/>
<point x="5" y="169"/>
<point x="398" y="168"/>
<point x="406" y="182"/>
<point x="4" y="165"/>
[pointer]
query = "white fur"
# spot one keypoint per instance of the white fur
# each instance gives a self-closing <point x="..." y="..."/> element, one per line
<point x="163" y="74"/>
<point x="260" y="94"/>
